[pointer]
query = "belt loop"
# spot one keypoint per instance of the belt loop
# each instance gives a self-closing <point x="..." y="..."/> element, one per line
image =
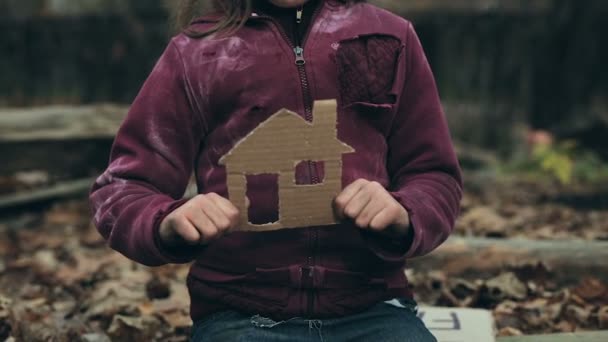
<point x="295" y="276"/>
<point x="318" y="276"/>
<point x="306" y="276"/>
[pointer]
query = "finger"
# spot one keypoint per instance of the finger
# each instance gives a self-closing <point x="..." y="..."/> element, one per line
<point x="185" y="230"/>
<point x="230" y="211"/>
<point x="342" y="200"/>
<point x="373" y="207"/>
<point x="214" y="213"/>
<point x="403" y="220"/>
<point x="203" y="224"/>
<point x="357" y="203"/>
<point x="381" y="220"/>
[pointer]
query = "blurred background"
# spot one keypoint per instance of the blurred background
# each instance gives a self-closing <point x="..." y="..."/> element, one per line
<point x="525" y="90"/>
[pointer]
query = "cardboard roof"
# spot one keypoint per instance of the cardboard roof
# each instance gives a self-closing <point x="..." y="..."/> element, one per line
<point x="285" y="139"/>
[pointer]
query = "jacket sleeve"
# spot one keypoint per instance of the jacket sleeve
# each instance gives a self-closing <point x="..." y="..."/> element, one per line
<point x="151" y="161"/>
<point x="425" y="176"/>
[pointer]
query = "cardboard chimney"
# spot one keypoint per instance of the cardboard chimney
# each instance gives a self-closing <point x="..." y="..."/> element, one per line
<point x="277" y="146"/>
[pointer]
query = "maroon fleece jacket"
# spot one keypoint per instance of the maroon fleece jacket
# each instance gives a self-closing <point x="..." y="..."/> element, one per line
<point x="205" y="95"/>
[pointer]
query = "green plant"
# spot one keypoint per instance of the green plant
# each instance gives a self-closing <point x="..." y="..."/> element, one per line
<point x="556" y="160"/>
<point x="565" y="162"/>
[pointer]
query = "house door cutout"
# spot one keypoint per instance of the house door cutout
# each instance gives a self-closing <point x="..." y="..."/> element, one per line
<point x="265" y="209"/>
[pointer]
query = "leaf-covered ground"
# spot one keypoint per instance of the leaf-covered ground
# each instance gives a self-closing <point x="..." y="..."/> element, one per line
<point x="58" y="280"/>
<point x="534" y="210"/>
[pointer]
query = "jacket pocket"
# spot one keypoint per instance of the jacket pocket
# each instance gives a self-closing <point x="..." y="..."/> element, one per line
<point x="367" y="68"/>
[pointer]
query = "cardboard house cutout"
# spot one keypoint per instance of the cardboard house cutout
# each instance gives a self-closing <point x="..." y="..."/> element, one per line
<point x="276" y="147"/>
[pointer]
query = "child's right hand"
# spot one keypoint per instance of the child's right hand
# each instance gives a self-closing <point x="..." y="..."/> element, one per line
<point x="201" y="220"/>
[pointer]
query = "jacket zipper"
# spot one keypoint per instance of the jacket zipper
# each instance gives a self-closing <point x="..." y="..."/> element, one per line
<point x="314" y="179"/>
<point x="300" y="62"/>
<point x="308" y="101"/>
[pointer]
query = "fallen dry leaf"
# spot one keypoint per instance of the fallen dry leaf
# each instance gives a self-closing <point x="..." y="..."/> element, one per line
<point x="483" y="221"/>
<point x="178" y="320"/>
<point x="158" y="288"/>
<point x="565" y="327"/>
<point x="592" y="289"/>
<point x="95" y="337"/>
<point x="509" y="331"/>
<point x="133" y="329"/>
<point x="506" y="286"/>
<point x="580" y="314"/>
<point x="86" y="267"/>
<point x="602" y="316"/>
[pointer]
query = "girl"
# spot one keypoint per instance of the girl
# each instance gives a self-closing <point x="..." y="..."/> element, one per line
<point x="218" y="80"/>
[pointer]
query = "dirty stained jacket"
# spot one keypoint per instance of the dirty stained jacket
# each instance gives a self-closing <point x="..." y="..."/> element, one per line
<point x="205" y="95"/>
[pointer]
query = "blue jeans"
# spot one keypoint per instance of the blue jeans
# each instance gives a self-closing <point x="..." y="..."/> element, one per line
<point x="383" y="323"/>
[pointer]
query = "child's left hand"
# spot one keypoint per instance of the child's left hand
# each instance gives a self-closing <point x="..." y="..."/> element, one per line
<point x="371" y="206"/>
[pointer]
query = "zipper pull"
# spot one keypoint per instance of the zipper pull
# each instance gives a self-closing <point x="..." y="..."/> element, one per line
<point x="299" y="51"/>
<point x="299" y="13"/>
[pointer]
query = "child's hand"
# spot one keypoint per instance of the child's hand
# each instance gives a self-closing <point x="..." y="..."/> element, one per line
<point x="371" y="206"/>
<point x="201" y="220"/>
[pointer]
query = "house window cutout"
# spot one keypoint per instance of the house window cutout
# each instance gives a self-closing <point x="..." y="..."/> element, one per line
<point x="313" y="171"/>
<point x="266" y="209"/>
<point x="276" y="147"/>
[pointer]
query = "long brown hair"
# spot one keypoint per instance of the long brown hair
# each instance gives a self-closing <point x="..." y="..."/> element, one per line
<point x="233" y="14"/>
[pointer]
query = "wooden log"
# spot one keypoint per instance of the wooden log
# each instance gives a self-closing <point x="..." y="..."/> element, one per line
<point x="474" y="257"/>
<point x="79" y="187"/>
<point x="72" y="141"/>
<point x="60" y="123"/>
<point x="69" y="159"/>
<point x="103" y="120"/>
<point x="58" y="191"/>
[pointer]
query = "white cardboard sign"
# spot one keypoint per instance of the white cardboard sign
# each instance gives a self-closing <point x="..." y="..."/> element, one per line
<point x="459" y="325"/>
